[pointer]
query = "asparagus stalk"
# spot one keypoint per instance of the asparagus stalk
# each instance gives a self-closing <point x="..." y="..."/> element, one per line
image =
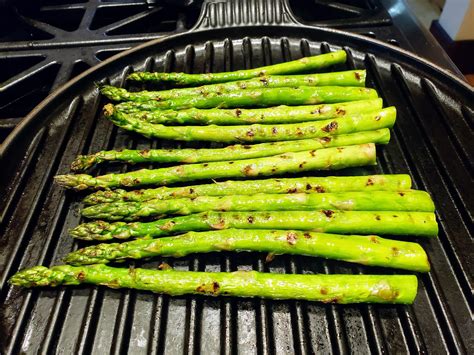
<point x="303" y="95"/>
<point x="267" y="186"/>
<point x="410" y="200"/>
<point x="296" y="66"/>
<point x="324" y="159"/>
<point x="384" y="118"/>
<point x="269" y="115"/>
<point x="234" y="152"/>
<point x="329" y="221"/>
<point x="345" y="78"/>
<point x="367" y="250"/>
<point x="325" y="288"/>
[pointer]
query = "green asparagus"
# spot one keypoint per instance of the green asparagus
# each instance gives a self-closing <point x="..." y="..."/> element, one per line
<point x="324" y="159"/>
<point x="296" y="66"/>
<point x="267" y="186"/>
<point x="367" y="250"/>
<point x="329" y="221"/>
<point x="346" y="78"/>
<point x="234" y="152"/>
<point x="303" y="95"/>
<point x="325" y="288"/>
<point x="411" y="200"/>
<point x="384" y="118"/>
<point x="269" y="115"/>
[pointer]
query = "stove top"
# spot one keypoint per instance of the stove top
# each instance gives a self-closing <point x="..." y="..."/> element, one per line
<point x="46" y="45"/>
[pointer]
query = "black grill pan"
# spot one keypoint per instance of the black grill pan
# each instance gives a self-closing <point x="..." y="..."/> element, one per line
<point x="432" y="141"/>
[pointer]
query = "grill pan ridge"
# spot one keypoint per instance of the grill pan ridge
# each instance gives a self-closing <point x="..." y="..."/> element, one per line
<point x="431" y="142"/>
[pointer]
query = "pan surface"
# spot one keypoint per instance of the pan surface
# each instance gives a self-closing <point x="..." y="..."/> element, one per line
<point x="432" y="141"/>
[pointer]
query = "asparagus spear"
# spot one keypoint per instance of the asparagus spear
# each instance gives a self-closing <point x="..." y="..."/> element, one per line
<point x="345" y="78"/>
<point x="296" y="66"/>
<point x="234" y="152"/>
<point x="410" y="200"/>
<point x="269" y="115"/>
<point x="384" y="118"/>
<point x="303" y="95"/>
<point x="324" y="159"/>
<point x="329" y="221"/>
<point x="267" y="186"/>
<point x="325" y="288"/>
<point x="367" y="250"/>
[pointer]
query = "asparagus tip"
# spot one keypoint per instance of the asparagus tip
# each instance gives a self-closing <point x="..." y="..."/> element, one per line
<point x="109" y="110"/>
<point x="70" y="181"/>
<point x="83" y="162"/>
<point x="35" y="276"/>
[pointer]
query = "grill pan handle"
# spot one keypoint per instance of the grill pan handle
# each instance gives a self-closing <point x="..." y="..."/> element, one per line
<point x="234" y="13"/>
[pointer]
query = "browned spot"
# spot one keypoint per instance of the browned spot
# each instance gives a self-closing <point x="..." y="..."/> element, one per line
<point x="243" y="86"/>
<point x="374" y="239"/>
<point x="201" y="288"/>
<point x="248" y="170"/>
<point x="291" y="238"/>
<point x="340" y="111"/>
<point x="264" y="81"/>
<point x="231" y="162"/>
<point x="138" y="192"/>
<point x="312" y="153"/>
<point x="319" y="188"/>
<point x="395" y="251"/>
<point x="316" y="112"/>
<point x="274" y="130"/>
<point x="377" y="217"/>
<point x="238" y="112"/>
<point x="136" y="181"/>
<point x="292" y="190"/>
<point x="307" y="235"/>
<point x="357" y="75"/>
<point x="394" y="216"/>
<point x="191" y="190"/>
<point x="250" y="219"/>
<point x="144" y="152"/>
<point x="332" y="300"/>
<point x="81" y="276"/>
<point x="164" y="266"/>
<point x="250" y="133"/>
<point x="302" y="165"/>
<point x="273" y="170"/>
<point x="328" y="213"/>
<point x="205" y="164"/>
<point x="330" y="127"/>
<point x="323" y="291"/>
<point x="325" y="140"/>
<point x="267" y="216"/>
<point x="168" y="225"/>
<point x="299" y="132"/>
<point x="401" y="194"/>
<point x="308" y="187"/>
<point x="215" y="286"/>
<point x="378" y="117"/>
<point x="340" y="149"/>
<point x="370" y="182"/>
<point x="247" y="146"/>
<point x="269" y="258"/>
<point x="219" y="225"/>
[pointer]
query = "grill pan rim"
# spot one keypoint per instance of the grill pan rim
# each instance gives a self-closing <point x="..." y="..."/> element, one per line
<point x="28" y="119"/>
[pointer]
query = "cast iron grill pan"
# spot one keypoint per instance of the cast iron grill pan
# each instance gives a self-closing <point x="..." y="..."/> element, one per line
<point x="432" y="141"/>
